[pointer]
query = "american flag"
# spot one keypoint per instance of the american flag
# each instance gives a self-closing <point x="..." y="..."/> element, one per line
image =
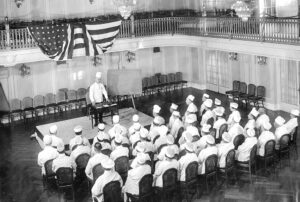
<point x="53" y="40"/>
<point x="61" y="42"/>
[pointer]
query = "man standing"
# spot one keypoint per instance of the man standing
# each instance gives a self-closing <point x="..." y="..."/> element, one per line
<point x="97" y="91"/>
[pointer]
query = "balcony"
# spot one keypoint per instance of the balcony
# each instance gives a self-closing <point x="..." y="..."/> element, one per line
<point x="279" y="31"/>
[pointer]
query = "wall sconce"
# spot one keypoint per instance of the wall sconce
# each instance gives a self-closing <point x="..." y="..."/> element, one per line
<point x="261" y="60"/>
<point x="19" y="3"/>
<point x="97" y="60"/>
<point x="130" y="56"/>
<point x="91" y="1"/>
<point x="232" y="56"/>
<point x="24" y="70"/>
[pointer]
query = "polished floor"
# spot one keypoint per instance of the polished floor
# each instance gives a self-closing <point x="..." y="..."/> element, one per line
<point x="20" y="176"/>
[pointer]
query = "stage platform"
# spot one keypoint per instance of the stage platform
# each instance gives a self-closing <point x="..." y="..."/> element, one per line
<point x="66" y="132"/>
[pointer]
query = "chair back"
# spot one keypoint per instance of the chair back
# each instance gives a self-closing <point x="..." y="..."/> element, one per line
<point x="178" y="76"/>
<point x="82" y="160"/>
<point x="160" y="148"/>
<point x="61" y="96"/>
<point x="191" y="171"/>
<point x="270" y="148"/>
<point x="106" y="152"/>
<point x="223" y="128"/>
<point x="163" y="79"/>
<point x="154" y="80"/>
<point x="97" y="171"/>
<point x="50" y="99"/>
<point x="243" y="87"/>
<point x="81" y="93"/>
<point x="64" y="177"/>
<point x="15" y="104"/>
<point x="48" y="168"/>
<point x="27" y="102"/>
<point x="251" y="89"/>
<point x="213" y="132"/>
<point x="210" y="122"/>
<point x="293" y="136"/>
<point x="284" y="142"/>
<point x="112" y="192"/>
<point x="211" y="164"/>
<point x="170" y="178"/>
<point x="145" y="82"/>
<point x="230" y="158"/>
<point x="179" y="134"/>
<point x="72" y="95"/>
<point x="122" y="165"/>
<point x="145" y="185"/>
<point x="38" y="101"/>
<point x="261" y="91"/>
<point x="253" y="155"/>
<point x="238" y="140"/>
<point x="235" y="85"/>
<point x="171" y="77"/>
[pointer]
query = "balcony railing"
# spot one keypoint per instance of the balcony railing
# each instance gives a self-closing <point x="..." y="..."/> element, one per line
<point x="285" y="31"/>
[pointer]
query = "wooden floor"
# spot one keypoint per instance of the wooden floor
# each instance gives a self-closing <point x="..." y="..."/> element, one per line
<point x="20" y="176"/>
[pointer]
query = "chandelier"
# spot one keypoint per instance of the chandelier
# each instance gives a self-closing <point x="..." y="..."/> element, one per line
<point x="19" y="3"/>
<point x="125" y="7"/>
<point x="241" y="9"/>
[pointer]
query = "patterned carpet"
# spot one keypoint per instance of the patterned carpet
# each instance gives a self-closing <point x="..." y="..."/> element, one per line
<point x="65" y="128"/>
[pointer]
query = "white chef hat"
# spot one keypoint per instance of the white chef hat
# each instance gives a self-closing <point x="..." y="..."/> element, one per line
<point x="267" y="125"/>
<point x="108" y="164"/>
<point x="208" y="103"/>
<point x="135" y="118"/>
<point x="174" y="106"/>
<point x="47" y="139"/>
<point x="170" y="152"/>
<point x="206" y="95"/>
<point x="254" y="112"/>
<point x="219" y="111"/>
<point x="192" y="108"/>
<point x="163" y="130"/>
<point x="279" y="120"/>
<point x="78" y="129"/>
<point x="101" y="126"/>
<point x="53" y="129"/>
<point x="226" y="137"/>
<point x="116" y="119"/>
<point x="98" y="75"/>
<point x="295" y="112"/>
<point x="191" y="118"/>
<point x="234" y="105"/>
<point x="191" y="97"/>
<point x="189" y="146"/>
<point x="218" y="102"/>
<point x="156" y="109"/>
<point x="170" y="139"/>
<point x="176" y="113"/>
<point x="210" y="139"/>
<point x="206" y="128"/>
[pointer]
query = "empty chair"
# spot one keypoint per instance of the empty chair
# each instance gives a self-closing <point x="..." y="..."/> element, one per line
<point x="28" y="110"/>
<point x="171" y="79"/>
<point x="145" y="85"/>
<point x="72" y="99"/>
<point x="162" y="82"/>
<point x="293" y="141"/>
<point x="81" y="97"/>
<point x="251" y="93"/>
<point x="223" y="128"/>
<point x="61" y="101"/>
<point x="39" y="105"/>
<point x="229" y="166"/>
<point x="16" y="112"/>
<point x="235" y="88"/>
<point x="153" y="84"/>
<point x="179" y="80"/>
<point x="50" y="103"/>
<point x="242" y="91"/>
<point x="248" y="167"/>
<point x="65" y="90"/>
<point x="260" y="96"/>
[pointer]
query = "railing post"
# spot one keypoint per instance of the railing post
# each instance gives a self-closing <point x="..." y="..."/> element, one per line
<point x="132" y="26"/>
<point x="7" y="43"/>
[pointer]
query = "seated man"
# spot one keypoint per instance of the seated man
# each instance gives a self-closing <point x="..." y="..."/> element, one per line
<point x="47" y="154"/>
<point x="236" y="128"/>
<point x="280" y="130"/>
<point x="62" y="161"/>
<point x="108" y="176"/>
<point x="223" y="148"/>
<point x="98" y="158"/>
<point x="162" y="138"/>
<point x="293" y="122"/>
<point x="79" y="148"/>
<point x="119" y="150"/>
<point x="243" y="151"/>
<point x="135" y="120"/>
<point x="205" y="96"/>
<point x="219" y="112"/>
<point x="140" y="148"/>
<point x="170" y="144"/>
<point x="168" y="163"/>
<point x="155" y="127"/>
<point x="173" y="108"/>
<point x="177" y="124"/>
<point x="202" y="143"/>
<point x="251" y="122"/>
<point x="210" y="149"/>
<point x="55" y="140"/>
<point x="156" y="114"/>
<point x="264" y="137"/>
<point x="117" y="128"/>
<point x="208" y="113"/>
<point x="192" y="108"/>
<point x="102" y="137"/>
<point x="185" y="160"/>
<point x="78" y="134"/>
<point x="234" y="112"/>
<point x="136" y="174"/>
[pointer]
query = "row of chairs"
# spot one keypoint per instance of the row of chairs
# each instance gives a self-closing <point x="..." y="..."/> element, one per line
<point x="255" y="94"/>
<point x="40" y="105"/>
<point x="162" y="82"/>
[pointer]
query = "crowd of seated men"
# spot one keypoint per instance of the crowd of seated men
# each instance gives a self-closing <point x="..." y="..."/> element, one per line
<point x="171" y="148"/>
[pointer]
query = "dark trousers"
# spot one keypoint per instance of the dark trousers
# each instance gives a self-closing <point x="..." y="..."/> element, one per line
<point x="98" y="113"/>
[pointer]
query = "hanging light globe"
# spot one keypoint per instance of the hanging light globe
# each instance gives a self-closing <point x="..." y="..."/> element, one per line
<point x="241" y="9"/>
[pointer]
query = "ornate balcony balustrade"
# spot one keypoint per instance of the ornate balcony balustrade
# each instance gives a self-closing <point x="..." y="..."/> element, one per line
<point x="283" y="31"/>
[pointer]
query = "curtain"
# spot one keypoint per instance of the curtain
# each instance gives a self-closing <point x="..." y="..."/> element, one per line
<point x="289" y="82"/>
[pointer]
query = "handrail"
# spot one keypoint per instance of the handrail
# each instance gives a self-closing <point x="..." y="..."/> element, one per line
<point x="284" y="31"/>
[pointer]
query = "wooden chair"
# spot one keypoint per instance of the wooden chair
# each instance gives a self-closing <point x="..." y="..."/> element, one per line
<point x="64" y="180"/>
<point x="61" y="101"/>
<point x="248" y="167"/>
<point x="72" y="99"/>
<point x="122" y="167"/>
<point x="190" y="183"/>
<point x="251" y="93"/>
<point x="15" y="110"/>
<point x="211" y="170"/>
<point x="235" y="88"/>
<point x="28" y="110"/>
<point x="39" y="106"/>
<point x="210" y="122"/>
<point x="223" y="128"/>
<point x="145" y="190"/>
<point x="49" y="176"/>
<point x="293" y="141"/>
<point x="179" y="80"/>
<point x="242" y="91"/>
<point x="81" y="162"/>
<point x="269" y="157"/>
<point x="112" y="192"/>
<point x="238" y="140"/>
<point x="229" y="166"/>
<point x="284" y="150"/>
<point x="50" y="103"/>
<point x="97" y="171"/>
<point x="166" y="193"/>
<point x="259" y="98"/>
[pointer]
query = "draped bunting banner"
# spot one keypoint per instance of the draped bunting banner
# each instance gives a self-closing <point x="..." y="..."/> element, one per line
<point x="64" y="41"/>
